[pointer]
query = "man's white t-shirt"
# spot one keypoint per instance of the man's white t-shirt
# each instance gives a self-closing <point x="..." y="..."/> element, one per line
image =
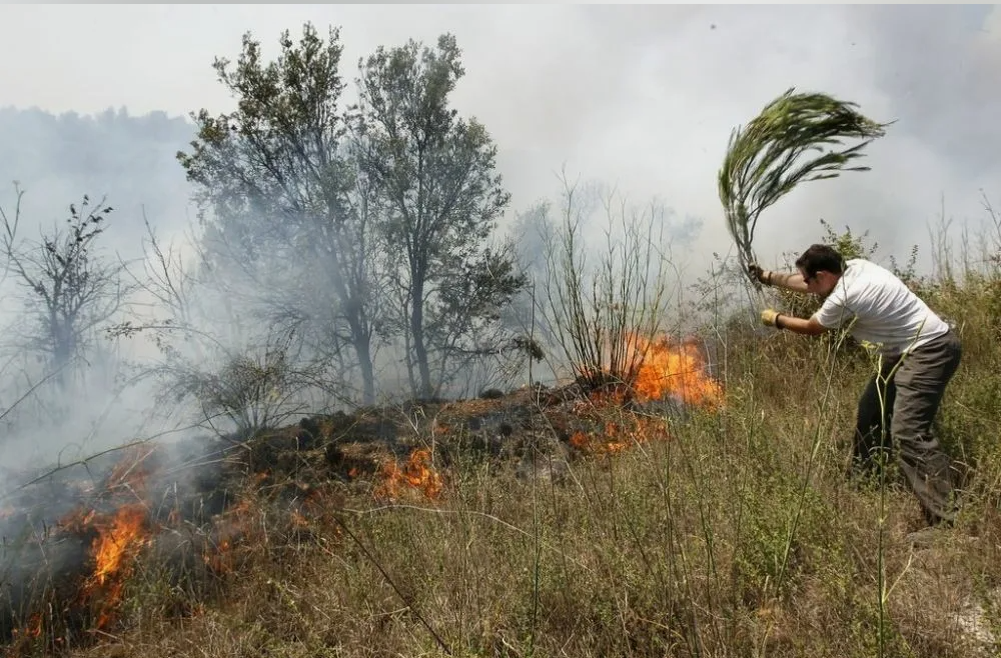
<point x="885" y="311"/>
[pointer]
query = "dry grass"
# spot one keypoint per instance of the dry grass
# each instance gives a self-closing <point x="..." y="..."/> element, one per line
<point x="739" y="536"/>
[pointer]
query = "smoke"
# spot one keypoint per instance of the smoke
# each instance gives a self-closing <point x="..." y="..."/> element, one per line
<point x="640" y="99"/>
<point x="646" y="97"/>
<point x="637" y="99"/>
<point x="643" y="96"/>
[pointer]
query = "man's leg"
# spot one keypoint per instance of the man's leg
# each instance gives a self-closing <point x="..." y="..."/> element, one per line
<point x="871" y="445"/>
<point x="921" y="381"/>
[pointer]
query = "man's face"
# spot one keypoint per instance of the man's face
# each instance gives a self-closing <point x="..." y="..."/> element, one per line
<point x="821" y="283"/>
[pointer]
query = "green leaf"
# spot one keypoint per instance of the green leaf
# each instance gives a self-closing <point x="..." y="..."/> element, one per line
<point x="767" y="158"/>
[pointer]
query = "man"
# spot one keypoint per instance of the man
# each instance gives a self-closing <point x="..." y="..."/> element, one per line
<point x="920" y="353"/>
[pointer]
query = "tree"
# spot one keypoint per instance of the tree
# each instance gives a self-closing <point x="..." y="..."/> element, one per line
<point x="441" y="199"/>
<point x="70" y="291"/>
<point x="291" y="214"/>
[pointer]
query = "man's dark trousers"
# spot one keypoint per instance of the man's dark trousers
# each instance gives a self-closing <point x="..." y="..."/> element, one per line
<point x="911" y="389"/>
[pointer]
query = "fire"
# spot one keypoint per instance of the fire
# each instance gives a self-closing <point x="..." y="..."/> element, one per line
<point x="417" y="473"/>
<point x="664" y="368"/>
<point x="118" y="535"/>
<point x="298" y="520"/>
<point x="621" y="435"/>
<point x="116" y="518"/>
<point x="32" y="630"/>
<point x="118" y="541"/>
<point x="669" y="369"/>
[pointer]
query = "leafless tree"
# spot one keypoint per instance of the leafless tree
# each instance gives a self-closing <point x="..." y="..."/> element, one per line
<point x="69" y="290"/>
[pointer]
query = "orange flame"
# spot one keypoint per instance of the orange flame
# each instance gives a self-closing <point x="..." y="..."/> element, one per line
<point x="664" y="368"/>
<point x="114" y="544"/>
<point x="298" y="520"/>
<point x="119" y="539"/>
<point x="220" y="560"/>
<point x="418" y="473"/>
<point x="619" y="436"/>
<point x="32" y="630"/>
<point x="118" y="536"/>
<point x="670" y="369"/>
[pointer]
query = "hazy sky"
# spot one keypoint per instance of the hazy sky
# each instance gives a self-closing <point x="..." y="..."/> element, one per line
<point x="643" y="97"/>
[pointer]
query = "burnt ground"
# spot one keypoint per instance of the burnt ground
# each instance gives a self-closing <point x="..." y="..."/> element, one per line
<point x="192" y="495"/>
<point x="355" y="447"/>
<point x="514" y="429"/>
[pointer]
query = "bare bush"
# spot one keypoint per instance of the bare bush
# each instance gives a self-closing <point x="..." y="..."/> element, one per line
<point x="601" y="315"/>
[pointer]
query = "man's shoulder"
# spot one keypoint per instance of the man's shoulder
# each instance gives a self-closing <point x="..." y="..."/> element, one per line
<point x="868" y="271"/>
<point x="860" y="262"/>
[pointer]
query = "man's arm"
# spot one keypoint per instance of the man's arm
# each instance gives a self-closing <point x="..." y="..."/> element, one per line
<point x="798" y="325"/>
<point x="788" y="280"/>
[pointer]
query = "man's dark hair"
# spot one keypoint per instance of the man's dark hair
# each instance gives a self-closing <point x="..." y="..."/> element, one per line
<point x="821" y="258"/>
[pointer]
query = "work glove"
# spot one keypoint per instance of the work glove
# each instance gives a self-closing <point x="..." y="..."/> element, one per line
<point x="758" y="274"/>
<point x="769" y="317"/>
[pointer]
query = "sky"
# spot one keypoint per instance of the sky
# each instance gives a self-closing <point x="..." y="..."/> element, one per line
<point x="641" y="97"/>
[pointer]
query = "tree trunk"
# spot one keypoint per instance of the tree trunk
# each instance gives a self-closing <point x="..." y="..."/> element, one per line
<point x="417" y="333"/>
<point x="63" y="345"/>
<point x="364" y="352"/>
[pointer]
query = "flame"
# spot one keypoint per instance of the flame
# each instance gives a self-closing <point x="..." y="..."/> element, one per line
<point x="673" y="369"/>
<point x="221" y="559"/>
<point x="621" y="435"/>
<point x="120" y="537"/>
<point x="114" y="543"/>
<point x="664" y="368"/>
<point x="418" y="473"/>
<point x="116" y="525"/>
<point x="298" y="520"/>
<point x="32" y="630"/>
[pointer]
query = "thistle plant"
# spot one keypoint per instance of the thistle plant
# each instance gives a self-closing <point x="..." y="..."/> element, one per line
<point x="763" y="159"/>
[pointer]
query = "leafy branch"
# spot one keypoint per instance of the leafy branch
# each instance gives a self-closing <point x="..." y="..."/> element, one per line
<point x="762" y="161"/>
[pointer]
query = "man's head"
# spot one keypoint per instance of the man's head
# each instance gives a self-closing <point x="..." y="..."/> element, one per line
<point x="821" y="266"/>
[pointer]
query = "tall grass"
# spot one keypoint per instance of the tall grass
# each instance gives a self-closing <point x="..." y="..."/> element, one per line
<point x="737" y="536"/>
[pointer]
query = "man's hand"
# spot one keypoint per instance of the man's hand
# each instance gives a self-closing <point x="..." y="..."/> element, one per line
<point x="769" y="317"/>
<point x="764" y="276"/>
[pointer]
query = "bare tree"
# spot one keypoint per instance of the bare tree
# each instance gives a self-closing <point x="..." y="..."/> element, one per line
<point x="69" y="290"/>
<point x="604" y="315"/>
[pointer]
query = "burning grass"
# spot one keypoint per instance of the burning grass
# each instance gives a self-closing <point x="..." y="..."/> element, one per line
<point x="683" y="529"/>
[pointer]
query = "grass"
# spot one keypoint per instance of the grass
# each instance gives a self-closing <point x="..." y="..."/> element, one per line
<point x="738" y="536"/>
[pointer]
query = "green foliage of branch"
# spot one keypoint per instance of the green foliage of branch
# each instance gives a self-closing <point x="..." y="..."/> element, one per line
<point x="441" y="200"/>
<point x="763" y="160"/>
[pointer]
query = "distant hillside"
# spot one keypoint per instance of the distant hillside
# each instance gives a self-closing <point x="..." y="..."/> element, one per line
<point x="130" y="159"/>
